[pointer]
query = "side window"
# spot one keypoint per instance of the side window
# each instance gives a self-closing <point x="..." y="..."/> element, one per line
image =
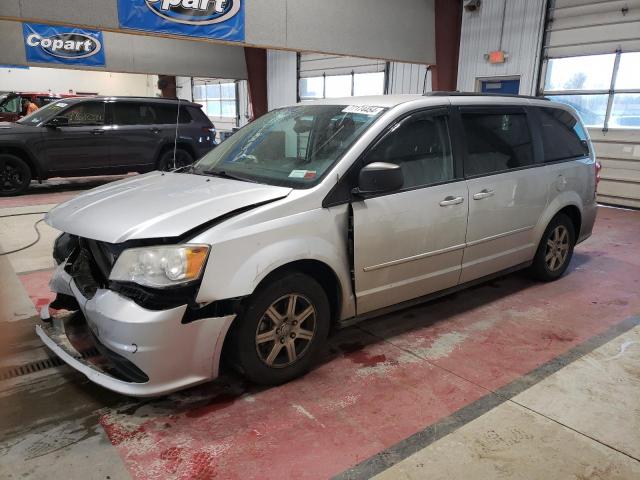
<point x="420" y="145"/>
<point x="496" y="142"/>
<point x="130" y="113"/>
<point x="12" y="106"/>
<point x="166" y="114"/>
<point x="85" y="113"/>
<point x="562" y="135"/>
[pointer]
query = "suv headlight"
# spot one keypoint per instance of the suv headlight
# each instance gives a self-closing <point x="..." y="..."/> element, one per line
<point x="161" y="266"/>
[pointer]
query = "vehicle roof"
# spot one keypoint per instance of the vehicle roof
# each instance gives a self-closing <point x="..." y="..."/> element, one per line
<point x="116" y="98"/>
<point x="438" y="98"/>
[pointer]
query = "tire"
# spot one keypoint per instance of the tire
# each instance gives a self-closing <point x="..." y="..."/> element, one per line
<point x="267" y="359"/>
<point x="555" y="249"/>
<point x="183" y="158"/>
<point x="15" y="175"/>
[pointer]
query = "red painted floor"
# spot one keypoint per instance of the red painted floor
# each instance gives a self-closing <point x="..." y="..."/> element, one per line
<point x="387" y="379"/>
<point x="37" y="286"/>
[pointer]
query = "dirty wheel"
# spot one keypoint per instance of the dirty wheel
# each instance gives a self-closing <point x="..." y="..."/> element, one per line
<point x="281" y="330"/>
<point x="15" y="175"/>
<point x="555" y="250"/>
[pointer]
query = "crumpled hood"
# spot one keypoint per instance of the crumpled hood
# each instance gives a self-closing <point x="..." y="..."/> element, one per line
<point x="156" y="205"/>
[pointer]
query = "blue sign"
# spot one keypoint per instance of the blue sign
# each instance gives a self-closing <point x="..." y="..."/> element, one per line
<point x="216" y="19"/>
<point x="67" y="45"/>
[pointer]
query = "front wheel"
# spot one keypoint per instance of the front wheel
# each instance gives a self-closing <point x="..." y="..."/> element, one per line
<point x="15" y="175"/>
<point x="555" y="250"/>
<point x="281" y="330"/>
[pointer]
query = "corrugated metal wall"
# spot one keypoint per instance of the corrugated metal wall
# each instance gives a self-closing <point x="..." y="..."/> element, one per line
<point x="590" y="27"/>
<point x="281" y="78"/>
<point x="408" y="78"/>
<point x="521" y="40"/>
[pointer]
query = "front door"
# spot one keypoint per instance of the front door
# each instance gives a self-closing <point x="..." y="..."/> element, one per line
<point x="409" y="243"/>
<point x="507" y="192"/>
<point x="82" y="145"/>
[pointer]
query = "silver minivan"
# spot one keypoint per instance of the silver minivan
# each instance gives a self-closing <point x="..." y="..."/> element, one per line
<point x="312" y="217"/>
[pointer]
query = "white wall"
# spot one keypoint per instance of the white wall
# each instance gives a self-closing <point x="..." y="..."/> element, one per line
<point x="409" y="78"/>
<point x="521" y="40"/>
<point x="62" y="81"/>
<point x="281" y="78"/>
<point x="184" y="88"/>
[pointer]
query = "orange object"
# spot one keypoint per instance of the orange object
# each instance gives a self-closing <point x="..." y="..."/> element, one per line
<point x="496" y="57"/>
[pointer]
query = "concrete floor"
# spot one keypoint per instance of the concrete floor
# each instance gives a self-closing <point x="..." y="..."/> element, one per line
<point x="511" y="379"/>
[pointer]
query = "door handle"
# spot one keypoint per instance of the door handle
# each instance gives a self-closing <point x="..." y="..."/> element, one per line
<point x="483" y="194"/>
<point x="97" y="131"/>
<point x="451" y="201"/>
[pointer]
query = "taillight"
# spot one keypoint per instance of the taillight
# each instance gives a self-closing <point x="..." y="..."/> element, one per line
<point x="597" y="167"/>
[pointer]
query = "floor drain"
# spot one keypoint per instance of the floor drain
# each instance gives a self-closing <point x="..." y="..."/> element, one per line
<point x="21" y="370"/>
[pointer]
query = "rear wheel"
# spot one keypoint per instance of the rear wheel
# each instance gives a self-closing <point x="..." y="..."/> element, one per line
<point x="15" y="175"/>
<point x="281" y="330"/>
<point x="555" y="250"/>
<point x="167" y="163"/>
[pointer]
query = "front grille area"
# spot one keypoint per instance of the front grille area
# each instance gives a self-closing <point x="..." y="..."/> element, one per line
<point x="90" y="265"/>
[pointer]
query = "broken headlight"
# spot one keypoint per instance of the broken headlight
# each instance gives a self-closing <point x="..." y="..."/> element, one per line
<point x="161" y="267"/>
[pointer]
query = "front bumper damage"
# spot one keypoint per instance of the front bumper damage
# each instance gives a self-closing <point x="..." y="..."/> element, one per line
<point x="144" y="352"/>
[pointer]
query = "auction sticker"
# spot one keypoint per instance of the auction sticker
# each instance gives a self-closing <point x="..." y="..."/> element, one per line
<point x="363" y="109"/>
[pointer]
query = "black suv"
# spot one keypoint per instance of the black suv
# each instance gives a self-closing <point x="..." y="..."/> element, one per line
<point x="99" y="136"/>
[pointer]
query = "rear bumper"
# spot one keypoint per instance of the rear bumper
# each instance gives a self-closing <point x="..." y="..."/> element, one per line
<point x="172" y="355"/>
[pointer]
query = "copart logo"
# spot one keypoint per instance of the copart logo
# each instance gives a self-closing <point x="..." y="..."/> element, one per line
<point x="66" y="45"/>
<point x="195" y="12"/>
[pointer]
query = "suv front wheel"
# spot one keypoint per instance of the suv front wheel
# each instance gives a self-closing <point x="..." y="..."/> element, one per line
<point x="15" y="175"/>
<point x="281" y="330"/>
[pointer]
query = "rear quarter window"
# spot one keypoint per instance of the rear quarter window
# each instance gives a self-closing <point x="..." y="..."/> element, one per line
<point x="563" y="135"/>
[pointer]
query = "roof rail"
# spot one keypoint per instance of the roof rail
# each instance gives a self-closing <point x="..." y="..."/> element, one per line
<point x="476" y="94"/>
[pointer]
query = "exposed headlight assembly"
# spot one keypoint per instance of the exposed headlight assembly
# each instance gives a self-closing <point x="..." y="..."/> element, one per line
<point x="161" y="267"/>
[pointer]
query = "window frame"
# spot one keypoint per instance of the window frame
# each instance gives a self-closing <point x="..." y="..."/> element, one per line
<point x="219" y="100"/>
<point x="338" y="196"/>
<point x="610" y="92"/>
<point x="534" y="133"/>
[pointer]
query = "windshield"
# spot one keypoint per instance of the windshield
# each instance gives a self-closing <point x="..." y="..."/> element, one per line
<point x="292" y="146"/>
<point x="45" y="113"/>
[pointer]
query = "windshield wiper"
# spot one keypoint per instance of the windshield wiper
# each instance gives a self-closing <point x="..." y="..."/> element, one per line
<point x="224" y="174"/>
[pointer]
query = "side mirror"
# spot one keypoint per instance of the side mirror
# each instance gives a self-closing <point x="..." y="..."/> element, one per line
<point x="379" y="177"/>
<point x="57" y="122"/>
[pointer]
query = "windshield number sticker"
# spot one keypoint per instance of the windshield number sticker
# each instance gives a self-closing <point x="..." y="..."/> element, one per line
<point x="363" y="109"/>
<point x="302" y="174"/>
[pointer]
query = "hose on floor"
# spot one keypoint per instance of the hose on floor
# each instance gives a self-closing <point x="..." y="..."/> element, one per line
<point x="35" y="227"/>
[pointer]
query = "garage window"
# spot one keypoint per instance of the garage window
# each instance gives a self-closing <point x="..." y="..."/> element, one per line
<point x="218" y="98"/>
<point x="334" y="86"/>
<point x="604" y="89"/>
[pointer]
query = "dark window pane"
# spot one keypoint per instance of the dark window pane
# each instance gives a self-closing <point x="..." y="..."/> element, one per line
<point x="86" y="113"/>
<point x="166" y="114"/>
<point x="561" y="133"/>
<point x="128" y="113"/>
<point x="496" y="142"/>
<point x="420" y="145"/>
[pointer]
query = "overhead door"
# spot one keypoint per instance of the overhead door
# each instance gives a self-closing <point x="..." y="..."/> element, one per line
<point x="592" y="62"/>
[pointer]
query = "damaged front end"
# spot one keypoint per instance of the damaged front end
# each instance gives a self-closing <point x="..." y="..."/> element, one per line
<point x="147" y="341"/>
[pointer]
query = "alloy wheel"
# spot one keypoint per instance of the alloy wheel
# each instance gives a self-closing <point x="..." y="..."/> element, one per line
<point x="286" y="330"/>
<point x="557" y="248"/>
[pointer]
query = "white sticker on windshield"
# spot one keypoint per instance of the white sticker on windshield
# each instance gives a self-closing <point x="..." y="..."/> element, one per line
<point x="302" y="174"/>
<point x="363" y="109"/>
<point x="60" y="104"/>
